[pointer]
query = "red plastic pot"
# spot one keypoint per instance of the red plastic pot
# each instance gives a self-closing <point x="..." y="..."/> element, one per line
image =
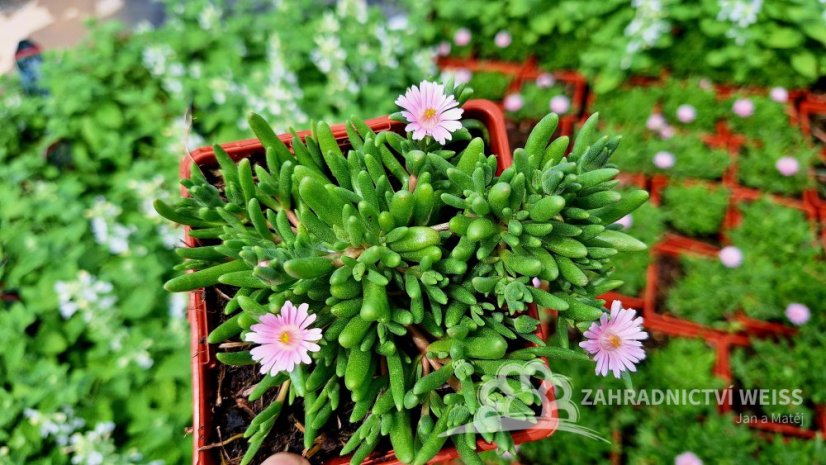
<point x="471" y="64"/>
<point x="204" y="363"/>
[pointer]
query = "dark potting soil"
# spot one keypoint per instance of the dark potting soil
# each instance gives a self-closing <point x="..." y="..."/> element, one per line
<point x="669" y="271"/>
<point x="232" y="412"/>
<point x="518" y="132"/>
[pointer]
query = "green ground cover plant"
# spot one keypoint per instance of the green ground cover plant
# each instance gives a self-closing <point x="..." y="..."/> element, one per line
<point x="695" y="210"/>
<point x="338" y="236"/>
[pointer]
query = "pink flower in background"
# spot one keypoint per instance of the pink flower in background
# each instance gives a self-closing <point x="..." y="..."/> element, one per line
<point x="462" y="37"/>
<point x="443" y="49"/>
<point x="626" y="221"/>
<point x="705" y="84"/>
<point x="286" y="339"/>
<point x="787" y="166"/>
<point x="779" y="94"/>
<point x="615" y="341"/>
<point x="667" y="132"/>
<point x="502" y="39"/>
<point x="686" y="113"/>
<point x="560" y="104"/>
<point x="545" y="80"/>
<point x="513" y="102"/>
<point x="430" y="112"/>
<point x="536" y="282"/>
<point x="743" y="107"/>
<point x="462" y="76"/>
<point x="798" y="314"/>
<point x="664" y="160"/>
<point x="656" y="122"/>
<point x="731" y="257"/>
<point x="687" y="458"/>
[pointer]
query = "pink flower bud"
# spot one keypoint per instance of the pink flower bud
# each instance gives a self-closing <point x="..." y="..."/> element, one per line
<point x="545" y="80"/>
<point x="462" y="76"/>
<point x="743" y="107"/>
<point x="443" y="49"/>
<point x="787" y="166"/>
<point x="664" y="160"/>
<point x="731" y="257"/>
<point x="779" y="94"/>
<point x="798" y="314"/>
<point x="560" y="104"/>
<point x="513" y="102"/>
<point x="502" y="39"/>
<point x="536" y="282"/>
<point x="686" y="113"/>
<point x="462" y="37"/>
<point x="656" y="122"/>
<point x="687" y="458"/>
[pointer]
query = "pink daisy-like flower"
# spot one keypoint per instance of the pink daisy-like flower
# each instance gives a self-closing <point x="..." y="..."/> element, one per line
<point x="705" y="84"/>
<point x="626" y="221"/>
<point x="779" y="94"/>
<point x="686" y="113"/>
<point x="513" y="102"/>
<point x="664" y="160"/>
<point x="502" y="39"/>
<point x="743" y="107"/>
<point x="462" y="37"/>
<point x="560" y="104"/>
<point x="687" y="458"/>
<point x="286" y="339"/>
<point x="731" y="257"/>
<point x="615" y="341"/>
<point x="787" y="166"/>
<point x="656" y="122"/>
<point x="545" y="80"/>
<point x="430" y="112"/>
<point x="798" y="314"/>
<point x="667" y="132"/>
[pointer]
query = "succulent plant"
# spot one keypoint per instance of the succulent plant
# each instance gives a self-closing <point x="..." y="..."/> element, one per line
<point x="418" y="261"/>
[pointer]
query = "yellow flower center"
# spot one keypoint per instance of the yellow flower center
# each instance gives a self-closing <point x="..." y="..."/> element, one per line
<point x="429" y="113"/>
<point x="284" y="337"/>
<point x="614" y="341"/>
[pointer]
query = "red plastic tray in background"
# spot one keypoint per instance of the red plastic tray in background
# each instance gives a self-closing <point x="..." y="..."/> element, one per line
<point x="573" y="79"/>
<point x="204" y="364"/>
<point x="674" y="245"/>
<point x="636" y="302"/>
<point x="734" y="216"/>
<point x="723" y="370"/>
<point x="522" y="72"/>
